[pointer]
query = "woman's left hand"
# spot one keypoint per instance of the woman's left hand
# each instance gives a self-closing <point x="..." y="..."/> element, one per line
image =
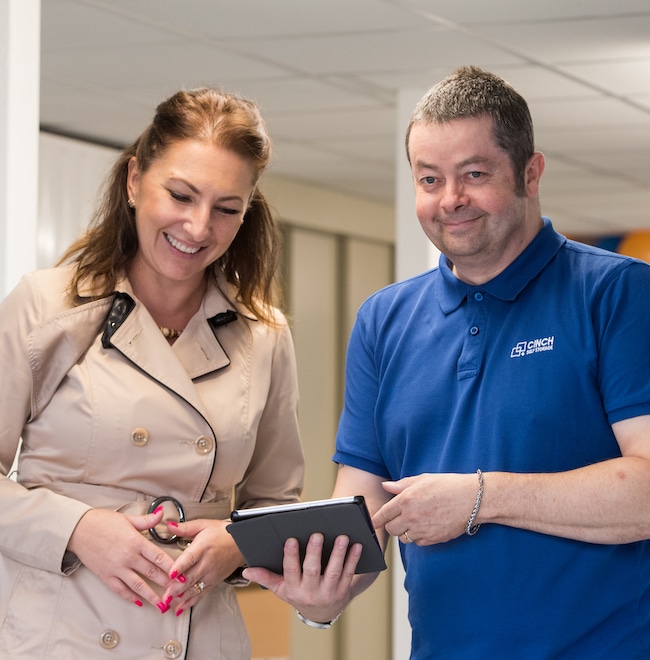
<point x="210" y="558"/>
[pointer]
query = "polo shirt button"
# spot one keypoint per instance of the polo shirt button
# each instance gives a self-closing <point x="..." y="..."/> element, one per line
<point x="474" y="331"/>
<point x="173" y="649"/>
<point x="139" y="437"/>
<point x="204" y="444"/>
<point x="478" y="296"/>
<point x="109" y="639"/>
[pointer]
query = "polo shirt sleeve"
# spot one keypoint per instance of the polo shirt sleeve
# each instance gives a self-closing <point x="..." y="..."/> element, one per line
<point x="622" y="323"/>
<point x="357" y="442"/>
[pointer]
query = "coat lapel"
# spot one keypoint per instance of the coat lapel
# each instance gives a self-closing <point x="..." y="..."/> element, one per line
<point x="195" y="353"/>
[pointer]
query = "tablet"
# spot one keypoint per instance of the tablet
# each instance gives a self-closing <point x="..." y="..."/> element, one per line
<point x="260" y="533"/>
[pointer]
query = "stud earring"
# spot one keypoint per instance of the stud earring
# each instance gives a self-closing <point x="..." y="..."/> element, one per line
<point x="131" y="203"/>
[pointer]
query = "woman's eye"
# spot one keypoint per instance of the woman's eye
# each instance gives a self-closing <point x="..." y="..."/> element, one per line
<point x="227" y="211"/>
<point x="179" y="197"/>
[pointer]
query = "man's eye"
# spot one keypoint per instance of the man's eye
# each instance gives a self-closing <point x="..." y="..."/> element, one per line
<point x="475" y="175"/>
<point x="429" y="180"/>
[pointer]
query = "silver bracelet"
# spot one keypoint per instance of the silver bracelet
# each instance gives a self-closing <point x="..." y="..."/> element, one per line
<point x="317" y="624"/>
<point x="471" y="528"/>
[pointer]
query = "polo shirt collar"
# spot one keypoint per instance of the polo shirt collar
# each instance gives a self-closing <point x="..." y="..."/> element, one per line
<point x="508" y="284"/>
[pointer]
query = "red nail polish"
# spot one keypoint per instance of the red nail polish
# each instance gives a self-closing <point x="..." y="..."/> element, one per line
<point x="172" y="575"/>
<point x="179" y="612"/>
<point x="171" y="523"/>
<point x="182" y="579"/>
<point x="181" y="595"/>
<point x="168" y="600"/>
<point x="138" y="603"/>
<point x="163" y="607"/>
<point x="158" y="509"/>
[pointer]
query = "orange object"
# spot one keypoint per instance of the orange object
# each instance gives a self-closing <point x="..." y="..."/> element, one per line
<point x="636" y="244"/>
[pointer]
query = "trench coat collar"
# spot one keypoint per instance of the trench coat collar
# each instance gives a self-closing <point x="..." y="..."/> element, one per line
<point x="56" y="345"/>
<point x="198" y="350"/>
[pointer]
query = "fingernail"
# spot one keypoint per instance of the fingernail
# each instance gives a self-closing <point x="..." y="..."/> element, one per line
<point x="181" y="595"/>
<point x="162" y="607"/>
<point x="138" y="603"/>
<point x="168" y="600"/>
<point x="172" y="575"/>
<point x="182" y="579"/>
<point x="172" y="523"/>
<point x="179" y="612"/>
<point x="158" y="509"/>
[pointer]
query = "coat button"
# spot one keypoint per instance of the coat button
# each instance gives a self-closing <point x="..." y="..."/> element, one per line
<point x="109" y="639"/>
<point x="204" y="444"/>
<point x="173" y="649"/>
<point x="139" y="437"/>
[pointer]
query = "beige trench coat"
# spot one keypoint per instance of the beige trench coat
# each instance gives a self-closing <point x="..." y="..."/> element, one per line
<point x="212" y="415"/>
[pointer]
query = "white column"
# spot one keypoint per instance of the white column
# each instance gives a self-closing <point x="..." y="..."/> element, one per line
<point x="20" y="45"/>
<point x="414" y="254"/>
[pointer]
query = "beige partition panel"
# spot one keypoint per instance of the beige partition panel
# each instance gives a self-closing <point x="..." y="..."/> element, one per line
<point x="328" y="276"/>
<point x="313" y="285"/>
<point x="366" y="625"/>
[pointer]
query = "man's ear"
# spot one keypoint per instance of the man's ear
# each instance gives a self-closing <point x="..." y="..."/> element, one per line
<point x="533" y="173"/>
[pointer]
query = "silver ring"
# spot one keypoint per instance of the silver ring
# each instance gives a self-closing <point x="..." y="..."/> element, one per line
<point x="181" y="518"/>
<point x="199" y="586"/>
<point x="407" y="537"/>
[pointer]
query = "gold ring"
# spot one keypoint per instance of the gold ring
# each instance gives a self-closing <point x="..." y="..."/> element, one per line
<point x="407" y="537"/>
<point x="199" y="586"/>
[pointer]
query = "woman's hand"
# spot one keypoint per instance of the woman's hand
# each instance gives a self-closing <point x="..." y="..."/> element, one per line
<point x="319" y="597"/>
<point x="110" y="545"/>
<point x="210" y="558"/>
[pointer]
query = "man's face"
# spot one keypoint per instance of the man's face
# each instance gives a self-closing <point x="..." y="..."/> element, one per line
<point x="465" y="196"/>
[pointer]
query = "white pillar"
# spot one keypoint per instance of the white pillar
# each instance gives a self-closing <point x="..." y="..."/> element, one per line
<point x="414" y="254"/>
<point x="20" y="46"/>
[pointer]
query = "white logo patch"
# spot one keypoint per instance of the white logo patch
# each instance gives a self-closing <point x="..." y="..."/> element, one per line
<point x="533" y="346"/>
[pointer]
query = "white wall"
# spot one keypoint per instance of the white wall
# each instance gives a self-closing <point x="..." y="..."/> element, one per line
<point x="71" y="174"/>
<point x="19" y="102"/>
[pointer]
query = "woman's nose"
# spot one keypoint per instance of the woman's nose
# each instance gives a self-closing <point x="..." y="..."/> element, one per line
<point x="199" y="222"/>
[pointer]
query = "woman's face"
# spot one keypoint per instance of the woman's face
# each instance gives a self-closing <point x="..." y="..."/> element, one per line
<point x="189" y="206"/>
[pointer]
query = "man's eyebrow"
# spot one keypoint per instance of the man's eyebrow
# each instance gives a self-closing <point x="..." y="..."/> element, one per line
<point x="474" y="160"/>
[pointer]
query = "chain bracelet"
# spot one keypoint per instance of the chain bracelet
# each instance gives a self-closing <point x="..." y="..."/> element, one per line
<point x="471" y="528"/>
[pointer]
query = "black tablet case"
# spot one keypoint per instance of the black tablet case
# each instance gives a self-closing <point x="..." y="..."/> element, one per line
<point x="261" y="535"/>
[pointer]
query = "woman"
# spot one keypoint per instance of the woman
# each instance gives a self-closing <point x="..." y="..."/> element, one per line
<point x="151" y="380"/>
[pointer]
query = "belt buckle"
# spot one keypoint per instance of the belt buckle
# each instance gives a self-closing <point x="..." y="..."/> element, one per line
<point x="181" y="518"/>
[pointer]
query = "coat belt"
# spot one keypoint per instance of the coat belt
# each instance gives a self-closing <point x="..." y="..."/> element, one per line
<point x="132" y="502"/>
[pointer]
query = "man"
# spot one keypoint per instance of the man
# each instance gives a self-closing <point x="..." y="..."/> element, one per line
<point x="506" y="390"/>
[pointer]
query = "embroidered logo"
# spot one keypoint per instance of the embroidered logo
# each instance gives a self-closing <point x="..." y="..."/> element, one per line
<point x="533" y="346"/>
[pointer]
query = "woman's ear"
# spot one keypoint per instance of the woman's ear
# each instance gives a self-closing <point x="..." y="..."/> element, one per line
<point x="132" y="178"/>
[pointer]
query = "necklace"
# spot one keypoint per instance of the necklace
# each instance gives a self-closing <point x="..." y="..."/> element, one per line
<point x="170" y="333"/>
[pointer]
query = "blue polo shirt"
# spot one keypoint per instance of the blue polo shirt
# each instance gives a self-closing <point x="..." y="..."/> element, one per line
<point x="525" y="373"/>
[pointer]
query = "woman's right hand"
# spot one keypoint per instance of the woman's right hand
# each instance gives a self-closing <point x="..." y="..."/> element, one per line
<point x="111" y="545"/>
